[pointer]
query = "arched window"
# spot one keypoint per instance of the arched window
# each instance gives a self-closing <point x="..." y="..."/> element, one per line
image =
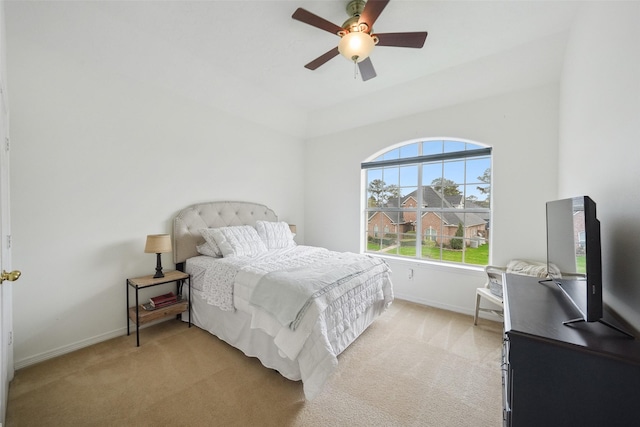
<point x="432" y="198"/>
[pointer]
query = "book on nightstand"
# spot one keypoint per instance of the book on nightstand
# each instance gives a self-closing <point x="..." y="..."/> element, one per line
<point x="149" y="307"/>
<point x="163" y="300"/>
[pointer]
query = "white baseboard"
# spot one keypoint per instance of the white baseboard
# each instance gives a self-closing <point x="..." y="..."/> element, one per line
<point x="32" y="360"/>
<point x="456" y="309"/>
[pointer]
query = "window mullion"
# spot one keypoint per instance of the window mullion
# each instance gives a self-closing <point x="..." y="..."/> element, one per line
<point x="419" y="205"/>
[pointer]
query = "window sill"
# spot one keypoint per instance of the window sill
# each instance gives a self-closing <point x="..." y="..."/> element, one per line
<point x="436" y="265"/>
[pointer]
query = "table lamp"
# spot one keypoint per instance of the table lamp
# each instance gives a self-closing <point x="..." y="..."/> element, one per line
<point x="158" y="244"/>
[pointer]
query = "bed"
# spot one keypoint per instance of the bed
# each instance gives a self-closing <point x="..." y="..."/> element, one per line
<point x="294" y="307"/>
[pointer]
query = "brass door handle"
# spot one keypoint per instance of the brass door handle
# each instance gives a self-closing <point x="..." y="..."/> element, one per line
<point x="12" y="276"/>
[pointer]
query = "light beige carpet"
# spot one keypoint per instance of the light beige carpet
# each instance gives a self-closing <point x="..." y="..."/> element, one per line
<point x="415" y="366"/>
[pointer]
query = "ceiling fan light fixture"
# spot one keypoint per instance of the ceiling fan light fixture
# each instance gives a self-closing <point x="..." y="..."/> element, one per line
<point x="356" y="46"/>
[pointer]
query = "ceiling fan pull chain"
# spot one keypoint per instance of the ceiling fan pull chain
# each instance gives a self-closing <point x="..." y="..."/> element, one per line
<point x="355" y="69"/>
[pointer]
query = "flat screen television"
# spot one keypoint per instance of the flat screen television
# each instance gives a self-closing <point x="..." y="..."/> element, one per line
<point x="574" y="259"/>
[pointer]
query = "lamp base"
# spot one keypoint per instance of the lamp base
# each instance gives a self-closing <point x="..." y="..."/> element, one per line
<point x="159" y="272"/>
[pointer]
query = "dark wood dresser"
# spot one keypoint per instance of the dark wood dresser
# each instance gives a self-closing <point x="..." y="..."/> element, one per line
<point x="586" y="374"/>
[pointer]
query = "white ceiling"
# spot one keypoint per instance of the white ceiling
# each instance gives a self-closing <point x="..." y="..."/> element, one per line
<point x="247" y="57"/>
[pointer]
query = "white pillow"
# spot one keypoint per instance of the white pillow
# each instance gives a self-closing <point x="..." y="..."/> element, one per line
<point x="210" y="245"/>
<point x="206" y="249"/>
<point x="531" y="268"/>
<point x="240" y="240"/>
<point x="275" y="235"/>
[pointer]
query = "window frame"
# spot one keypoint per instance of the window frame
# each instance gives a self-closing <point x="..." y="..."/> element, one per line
<point x="391" y="157"/>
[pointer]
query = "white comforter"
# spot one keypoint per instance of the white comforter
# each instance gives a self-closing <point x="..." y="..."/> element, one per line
<point x="325" y="329"/>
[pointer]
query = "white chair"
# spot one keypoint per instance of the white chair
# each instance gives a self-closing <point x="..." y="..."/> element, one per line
<point x="495" y="279"/>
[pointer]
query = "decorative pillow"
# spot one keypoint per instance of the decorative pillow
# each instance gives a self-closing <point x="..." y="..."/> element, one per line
<point x="275" y="235"/>
<point x="240" y="240"/>
<point x="206" y="249"/>
<point x="210" y="242"/>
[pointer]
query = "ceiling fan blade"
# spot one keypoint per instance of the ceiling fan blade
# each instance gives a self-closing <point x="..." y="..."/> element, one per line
<point x="307" y="17"/>
<point x="366" y="69"/>
<point x="322" y="59"/>
<point x="372" y="9"/>
<point x="416" y="39"/>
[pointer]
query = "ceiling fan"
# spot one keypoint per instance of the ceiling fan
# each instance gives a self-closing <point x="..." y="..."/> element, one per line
<point x="357" y="38"/>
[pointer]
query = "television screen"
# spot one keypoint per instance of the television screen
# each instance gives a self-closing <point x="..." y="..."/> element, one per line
<point x="574" y="254"/>
<point x="574" y="259"/>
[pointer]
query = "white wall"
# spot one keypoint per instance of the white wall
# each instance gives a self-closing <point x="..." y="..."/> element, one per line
<point x="600" y="137"/>
<point x="98" y="162"/>
<point x="522" y="128"/>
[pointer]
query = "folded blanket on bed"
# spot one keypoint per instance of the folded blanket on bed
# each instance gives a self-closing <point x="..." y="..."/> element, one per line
<point x="288" y="294"/>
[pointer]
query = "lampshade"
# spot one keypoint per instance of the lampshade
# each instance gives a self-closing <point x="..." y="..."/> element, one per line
<point x="158" y="244"/>
<point x="356" y="46"/>
<point x="293" y="228"/>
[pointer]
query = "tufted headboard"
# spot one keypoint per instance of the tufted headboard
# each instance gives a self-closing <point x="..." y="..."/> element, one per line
<point x="188" y="222"/>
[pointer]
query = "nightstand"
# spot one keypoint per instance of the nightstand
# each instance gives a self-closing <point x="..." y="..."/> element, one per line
<point x="140" y="316"/>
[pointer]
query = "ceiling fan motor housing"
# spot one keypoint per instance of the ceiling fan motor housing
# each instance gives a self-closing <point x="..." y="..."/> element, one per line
<point x="354" y="10"/>
<point x="355" y="7"/>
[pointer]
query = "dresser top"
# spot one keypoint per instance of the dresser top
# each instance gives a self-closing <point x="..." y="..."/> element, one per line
<point x="536" y="311"/>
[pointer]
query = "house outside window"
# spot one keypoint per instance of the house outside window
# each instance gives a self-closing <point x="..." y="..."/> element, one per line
<point x="432" y="198"/>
